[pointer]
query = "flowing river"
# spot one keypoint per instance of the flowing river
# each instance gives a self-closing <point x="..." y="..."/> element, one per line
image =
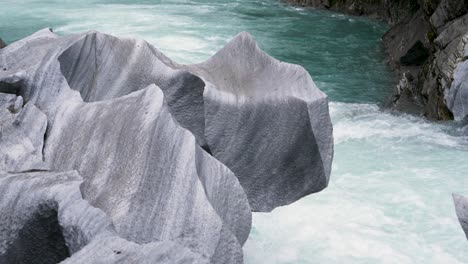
<point x="389" y="198"/>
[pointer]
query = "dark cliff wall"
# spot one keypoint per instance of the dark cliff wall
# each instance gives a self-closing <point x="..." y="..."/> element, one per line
<point x="388" y="10"/>
<point x="427" y="42"/>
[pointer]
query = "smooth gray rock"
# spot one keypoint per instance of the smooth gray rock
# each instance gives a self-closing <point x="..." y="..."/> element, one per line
<point x="461" y="207"/>
<point x="45" y="220"/>
<point x="268" y="122"/>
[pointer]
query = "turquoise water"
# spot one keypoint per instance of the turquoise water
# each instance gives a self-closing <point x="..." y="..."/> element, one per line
<point x="389" y="198"/>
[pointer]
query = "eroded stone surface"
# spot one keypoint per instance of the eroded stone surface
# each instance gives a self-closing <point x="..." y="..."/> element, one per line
<point x="73" y="226"/>
<point x="140" y="167"/>
<point x="275" y="134"/>
<point x="142" y="131"/>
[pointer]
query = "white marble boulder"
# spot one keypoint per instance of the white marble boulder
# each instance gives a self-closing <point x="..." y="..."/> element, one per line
<point x="139" y="165"/>
<point x="268" y="122"/>
<point x="171" y="158"/>
<point x="265" y="119"/>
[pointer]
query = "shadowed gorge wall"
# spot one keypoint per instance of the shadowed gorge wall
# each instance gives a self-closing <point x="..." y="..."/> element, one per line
<point x="427" y="49"/>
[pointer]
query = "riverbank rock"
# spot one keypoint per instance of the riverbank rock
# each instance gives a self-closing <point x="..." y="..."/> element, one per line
<point x="172" y="157"/>
<point x="436" y="87"/>
<point x="427" y="45"/>
<point x="461" y="207"/>
<point x="391" y="11"/>
<point x="2" y="44"/>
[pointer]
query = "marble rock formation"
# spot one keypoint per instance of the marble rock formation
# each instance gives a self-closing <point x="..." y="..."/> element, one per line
<point x="45" y="220"/>
<point x="272" y="132"/>
<point x="461" y="207"/>
<point x="143" y="160"/>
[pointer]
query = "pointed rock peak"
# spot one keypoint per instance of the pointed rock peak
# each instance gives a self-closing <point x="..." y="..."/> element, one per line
<point x="243" y="70"/>
<point x="243" y="39"/>
<point x="242" y="46"/>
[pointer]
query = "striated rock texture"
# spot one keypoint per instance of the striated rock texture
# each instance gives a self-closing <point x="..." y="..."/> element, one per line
<point x="427" y="50"/>
<point x="461" y="207"/>
<point x="45" y="220"/>
<point x="110" y="151"/>
<point x="274" y="134"/>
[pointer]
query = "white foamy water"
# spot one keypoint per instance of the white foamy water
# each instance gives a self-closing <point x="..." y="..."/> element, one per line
<point x="389" y="198"/>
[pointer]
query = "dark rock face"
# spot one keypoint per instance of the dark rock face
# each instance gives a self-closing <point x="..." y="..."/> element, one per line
<point x="416" y="55"/>
<point x="427" y="50"/>
<point x="433" y="79"/>
<point x="391" y="11"/>
<point x="136" y="126"/>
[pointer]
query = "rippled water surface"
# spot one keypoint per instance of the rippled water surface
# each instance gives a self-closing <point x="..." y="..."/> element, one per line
<point x="389" y="198"/>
